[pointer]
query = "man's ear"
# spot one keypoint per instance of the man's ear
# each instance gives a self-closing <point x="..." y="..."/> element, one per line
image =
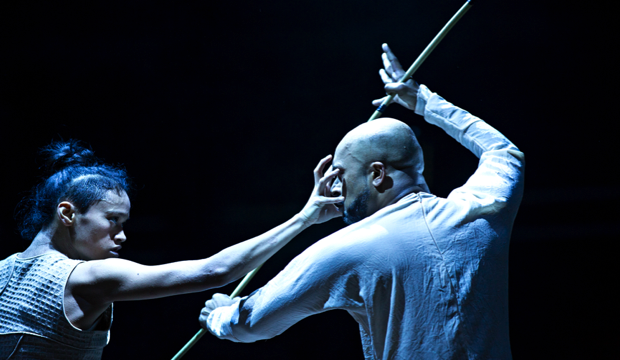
<point x="378" y="173"/>
<point x="66" y="213"/>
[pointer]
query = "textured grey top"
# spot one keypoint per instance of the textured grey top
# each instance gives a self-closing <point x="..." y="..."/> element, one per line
<point x="33" y="324"/>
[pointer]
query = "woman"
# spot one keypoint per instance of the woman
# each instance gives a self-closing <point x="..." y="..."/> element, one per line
<point x="56" y="297"/>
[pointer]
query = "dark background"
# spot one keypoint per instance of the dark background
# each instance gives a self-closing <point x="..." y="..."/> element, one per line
<point x="220" y="111"/>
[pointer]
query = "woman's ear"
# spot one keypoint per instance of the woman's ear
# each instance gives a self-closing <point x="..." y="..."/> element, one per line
<point x="66" y="213"/>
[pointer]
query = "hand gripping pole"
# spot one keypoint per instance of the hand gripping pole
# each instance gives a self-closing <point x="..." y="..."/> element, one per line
<point x="200" y="333"/>
<point x="377" y="113"/>
<point x="381" y="109"/>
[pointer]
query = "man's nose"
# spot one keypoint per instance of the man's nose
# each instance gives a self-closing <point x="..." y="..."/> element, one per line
<point x="336" y="188"/>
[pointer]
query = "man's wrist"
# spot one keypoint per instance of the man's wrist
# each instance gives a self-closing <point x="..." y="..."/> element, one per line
<point x="421" y="98"/>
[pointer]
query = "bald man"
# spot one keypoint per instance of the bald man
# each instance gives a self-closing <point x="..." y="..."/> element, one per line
<point x="365" y="157"/>
<point x="425" y="277"/>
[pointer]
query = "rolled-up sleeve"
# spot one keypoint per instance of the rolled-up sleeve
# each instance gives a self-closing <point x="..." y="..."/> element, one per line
<point x="498" y="181"/>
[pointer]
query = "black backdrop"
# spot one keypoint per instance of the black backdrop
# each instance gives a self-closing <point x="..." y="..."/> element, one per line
<point x="220" y="111"/>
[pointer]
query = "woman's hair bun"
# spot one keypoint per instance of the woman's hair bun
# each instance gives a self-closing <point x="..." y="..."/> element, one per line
<point x="62" y="154"/>
<point x="74" y="174"/>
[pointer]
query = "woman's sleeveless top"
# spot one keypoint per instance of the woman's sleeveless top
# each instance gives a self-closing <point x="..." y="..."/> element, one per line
<point x="33" y="324"/>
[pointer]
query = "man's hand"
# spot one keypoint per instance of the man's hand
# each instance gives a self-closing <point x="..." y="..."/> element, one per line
<point x="407" y="92"/>
<point x="217" y="301"/>
<point x="321" y="206"/>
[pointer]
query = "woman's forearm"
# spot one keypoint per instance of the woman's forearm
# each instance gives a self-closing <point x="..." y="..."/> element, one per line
<point x="115" y="279"/>
<point x="235" y="261"/>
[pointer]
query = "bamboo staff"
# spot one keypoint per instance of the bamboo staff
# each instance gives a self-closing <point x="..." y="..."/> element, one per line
<point x="376" y="114"/>
<point x="381" y="109"/>
<point x="200" y="333"/>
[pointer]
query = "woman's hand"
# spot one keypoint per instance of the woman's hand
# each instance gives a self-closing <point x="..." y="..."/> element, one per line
<point x="321" y="206"/>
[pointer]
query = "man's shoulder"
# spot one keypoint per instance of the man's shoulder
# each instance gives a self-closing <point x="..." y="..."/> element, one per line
<point x="404" y="215"/>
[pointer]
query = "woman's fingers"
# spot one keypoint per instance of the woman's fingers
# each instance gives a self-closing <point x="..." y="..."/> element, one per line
<point x="326" y="180"/>
<point x="330" y="200"/>
<point x="318" y="170"/>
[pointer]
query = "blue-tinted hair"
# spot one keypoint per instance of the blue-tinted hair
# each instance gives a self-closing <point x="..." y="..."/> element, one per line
<point x="74" y="174"/>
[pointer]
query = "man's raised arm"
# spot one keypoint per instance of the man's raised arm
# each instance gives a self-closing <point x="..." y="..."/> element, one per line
<point x="499" y="177"/>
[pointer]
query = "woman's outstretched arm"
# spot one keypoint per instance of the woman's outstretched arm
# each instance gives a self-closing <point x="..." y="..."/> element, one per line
<point x="98" y="283"/>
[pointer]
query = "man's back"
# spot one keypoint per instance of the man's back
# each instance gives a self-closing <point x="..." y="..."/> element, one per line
<point x="426" y="277"/>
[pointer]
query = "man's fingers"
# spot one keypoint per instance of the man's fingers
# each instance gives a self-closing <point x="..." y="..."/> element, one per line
<point x="394" y="87"/>
<point x="378" y="102"/>
<point x="219" y="300"/>
<point x="385" y="77"/>
<point x="389" y="54"/>
<point x="387" y="65"/>
<point x="393" y="60"/>
<point x="220" y="296"/>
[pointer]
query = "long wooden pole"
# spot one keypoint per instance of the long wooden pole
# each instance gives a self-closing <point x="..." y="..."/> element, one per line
<point x="201" y="332"/>
<point x="377" y="113"/>
<point x="381" y="109"/>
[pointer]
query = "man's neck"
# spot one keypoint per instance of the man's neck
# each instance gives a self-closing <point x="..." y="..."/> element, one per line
<point x="403" y="185"/>
<point x="404" y="192"/>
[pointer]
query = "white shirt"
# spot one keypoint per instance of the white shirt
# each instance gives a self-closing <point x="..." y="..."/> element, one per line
<point x="425" y="278"/>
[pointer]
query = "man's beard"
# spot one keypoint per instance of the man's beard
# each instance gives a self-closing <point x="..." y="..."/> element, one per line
<point x="358" y="208"/>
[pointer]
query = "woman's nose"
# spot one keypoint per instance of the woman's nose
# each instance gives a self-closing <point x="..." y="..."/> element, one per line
<point x="120" y="236"/>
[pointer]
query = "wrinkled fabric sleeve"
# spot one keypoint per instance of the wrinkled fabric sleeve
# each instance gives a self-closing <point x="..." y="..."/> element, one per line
<point x="319" y="279"/>
<point x="498" y="181"/>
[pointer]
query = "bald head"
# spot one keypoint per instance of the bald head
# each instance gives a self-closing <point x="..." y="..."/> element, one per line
<point x="379" y="162"/>
<point x="386" y="140"/>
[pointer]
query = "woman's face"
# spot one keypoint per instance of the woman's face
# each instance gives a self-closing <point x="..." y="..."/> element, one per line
<point x="98" y="233"/>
